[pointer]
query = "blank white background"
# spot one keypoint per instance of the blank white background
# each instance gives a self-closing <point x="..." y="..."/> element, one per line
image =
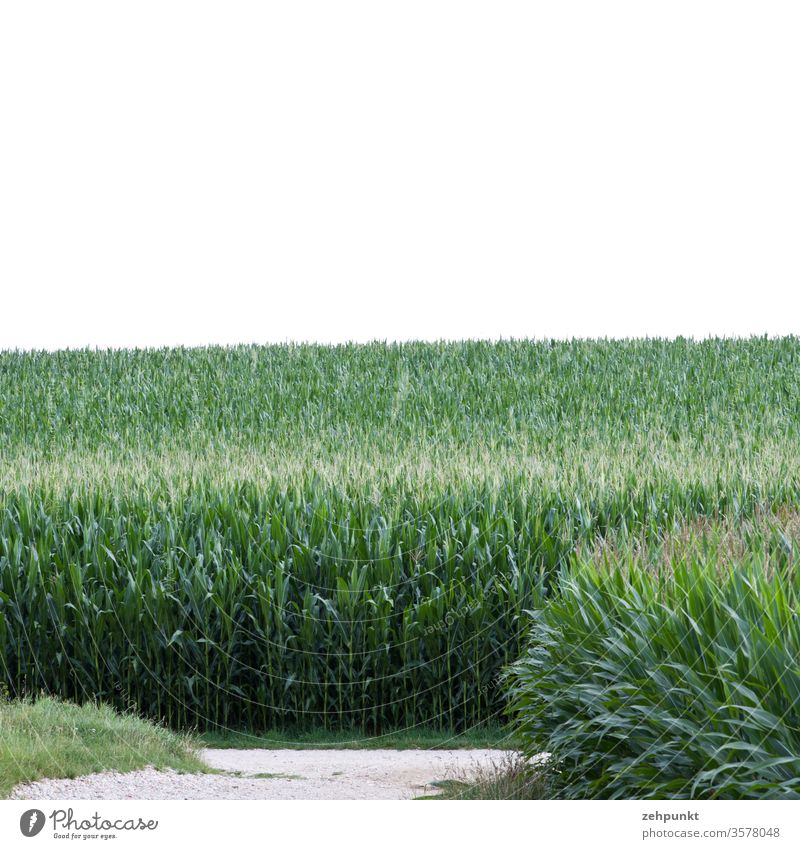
<point x="218" y="172"/>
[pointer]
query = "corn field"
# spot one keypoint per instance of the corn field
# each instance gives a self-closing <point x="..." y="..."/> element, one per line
<point x="351" y="537"/>
<point x="671" y="670"/>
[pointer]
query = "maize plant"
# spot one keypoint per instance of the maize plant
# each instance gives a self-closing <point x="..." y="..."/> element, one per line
<point x="351" y="536"/>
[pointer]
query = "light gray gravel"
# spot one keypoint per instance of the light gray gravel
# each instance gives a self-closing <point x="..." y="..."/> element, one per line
<point x="295" y="774"/>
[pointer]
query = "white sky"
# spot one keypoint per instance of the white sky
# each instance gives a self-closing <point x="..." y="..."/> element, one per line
<point x="219" y="172"/>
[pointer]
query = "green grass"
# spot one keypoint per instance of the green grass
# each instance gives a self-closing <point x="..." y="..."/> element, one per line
<point x="348" y="538"/>
<point x="492" y="736"/>
<point x="277" y="775"/>
<point x="53" y="739"/>
<point x="513" y="778"/>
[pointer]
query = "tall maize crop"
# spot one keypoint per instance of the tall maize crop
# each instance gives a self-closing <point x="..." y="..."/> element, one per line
<point x="279" y="536"/>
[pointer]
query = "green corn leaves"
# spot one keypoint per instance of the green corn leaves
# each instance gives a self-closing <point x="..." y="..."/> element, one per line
<point x="350" y="536"/>
<point x="677" y="683"/>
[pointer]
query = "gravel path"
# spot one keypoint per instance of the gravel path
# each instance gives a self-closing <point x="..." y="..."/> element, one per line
<point x="278" y="774"/>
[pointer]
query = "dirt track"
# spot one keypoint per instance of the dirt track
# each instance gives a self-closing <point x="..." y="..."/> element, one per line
<point x="282" y="774"/>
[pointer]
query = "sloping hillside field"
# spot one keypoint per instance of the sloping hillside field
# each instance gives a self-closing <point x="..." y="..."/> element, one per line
<point x="368" y="537"/>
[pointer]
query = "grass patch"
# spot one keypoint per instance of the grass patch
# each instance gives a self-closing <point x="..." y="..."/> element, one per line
<point x="513" y="778"/>
<point x="53" y="739"/>
<point x="485" y="737"/>
<point x="286" y="775"/>
<point x="239" y="774"/>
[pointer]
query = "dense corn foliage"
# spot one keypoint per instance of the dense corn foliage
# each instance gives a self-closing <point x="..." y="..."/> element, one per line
<point x="300" y="535"/>
<point x="255" y="607"/>
<point x="670" y="676"/>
